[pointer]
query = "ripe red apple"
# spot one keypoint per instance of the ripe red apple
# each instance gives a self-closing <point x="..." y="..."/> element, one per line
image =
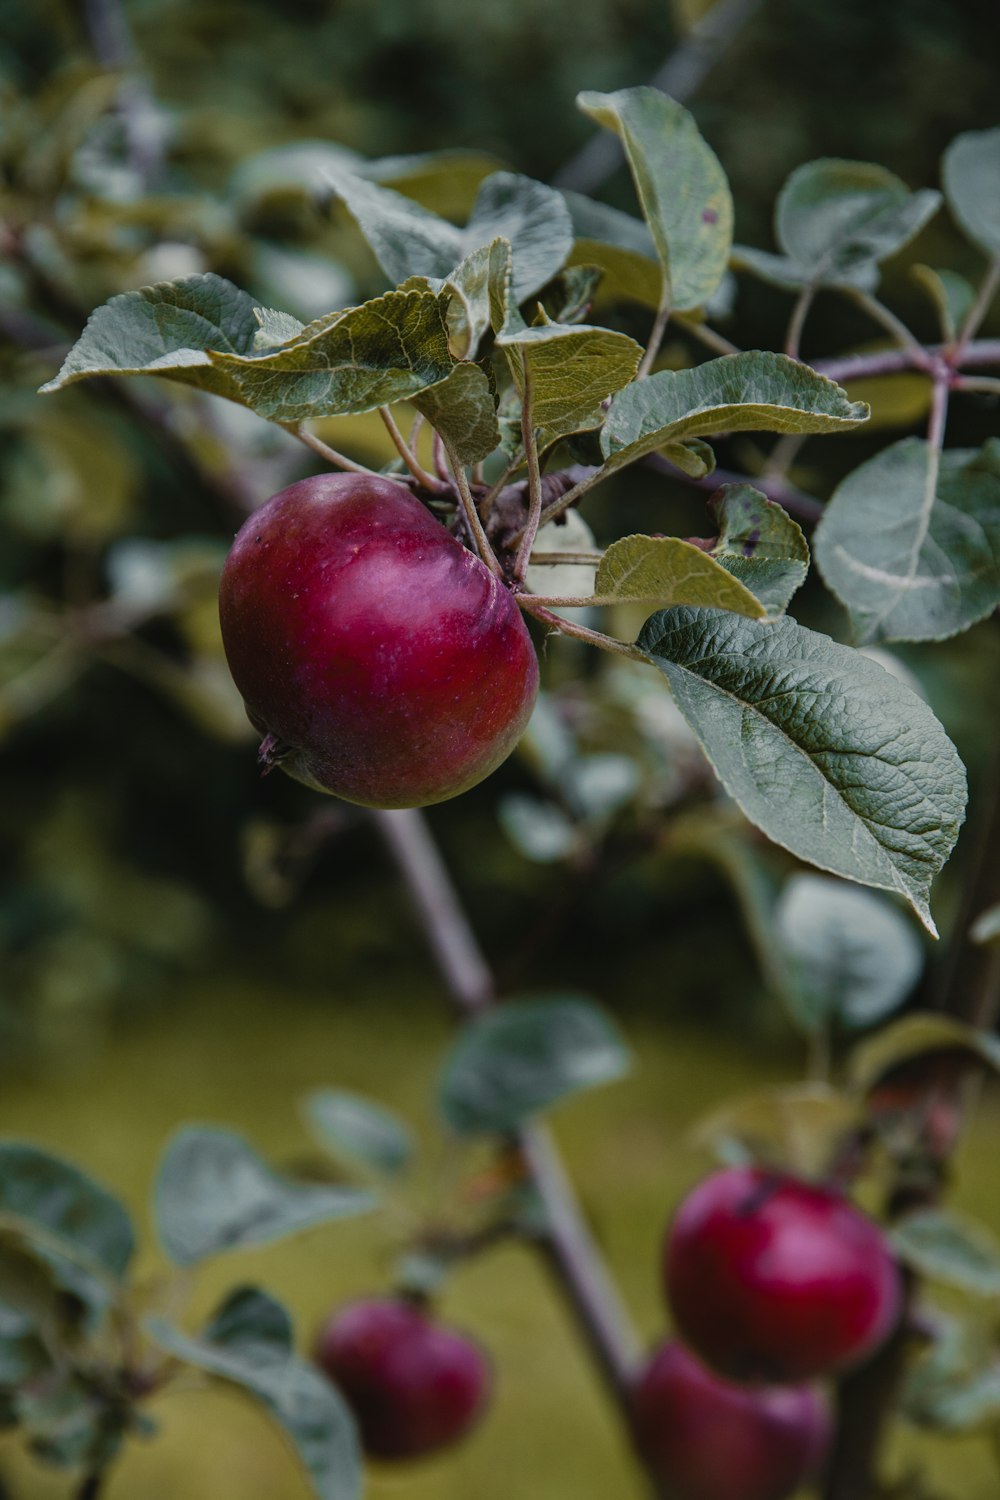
<point x="706" y="1439"/>
<point x="413" y="1384"/>
<point x="775" y="1279"/>
<point x="380" y="659"/>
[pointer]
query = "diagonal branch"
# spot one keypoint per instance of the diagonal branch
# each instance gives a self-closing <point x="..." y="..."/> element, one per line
<point x="568" y="1244"/>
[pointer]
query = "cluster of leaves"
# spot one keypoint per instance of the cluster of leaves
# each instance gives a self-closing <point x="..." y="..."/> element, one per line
<point x="85" y="1345"/>
<point x="831" y="757"/>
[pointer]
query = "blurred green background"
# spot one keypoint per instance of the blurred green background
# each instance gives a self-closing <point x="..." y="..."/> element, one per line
<point x="179" y="939"/>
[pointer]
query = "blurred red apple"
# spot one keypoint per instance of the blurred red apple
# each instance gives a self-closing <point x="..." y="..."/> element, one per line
<point x="704" y="1438"/>
<point x="773" y="1279"/>
<point x="413" y="1384"/>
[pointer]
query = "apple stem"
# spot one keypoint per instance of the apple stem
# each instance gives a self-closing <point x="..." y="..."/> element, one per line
<point x="339" y="460"/>
<point x="534" y="478"/>
<point x="532" y="605"/>
<point x="424" y="479"/>
<point x="566" y="1240"/>
<point x="475" y="525"/>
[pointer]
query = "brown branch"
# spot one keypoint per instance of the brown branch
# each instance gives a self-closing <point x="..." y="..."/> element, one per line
<point x="569" y="1247"/>
<point x="866" y="1397"/>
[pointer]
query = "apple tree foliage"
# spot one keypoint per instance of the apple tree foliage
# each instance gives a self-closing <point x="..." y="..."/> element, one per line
<point x="499" y="335"/>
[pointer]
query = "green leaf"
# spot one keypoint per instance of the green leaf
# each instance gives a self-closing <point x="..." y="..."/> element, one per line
<point x="358" y="1131"/>
<point x="23" y="1355"/>
<point x="569" y="296"/>
<point x="849" y="954"/>
<point x="620" y="245"/>
<point x="463" y="410"/>
<point x="666" y="570"/>
<point x="246" y="1347"/>
<point x="408" y="240"/>
<point x="752" y="392"/>
<point x="572" y="370"/>
<point x="956" y="1386"/>
<point x="971" y="176"/>
<point x="945" y="1247"/>
<point x="910" y="541"/>
<point x="471" y="285"/>
<point x="681" y="186"/>
<point x="214" y="1193"/>
<point x="539" y="830"/>
<point x="825" y="752"/>
<point x="759" y="544"/>
<point x="522" y="1058"/>
<point x="919" y="1036"/>
<point x="796" y="1127"/>
<point x="986" y="927"/>
<point x="951" y="294"/>
<point x="52" y="1202"/>
<point x="386" y="350"/>
<point x="836" y="220"/>
<point x="166" y="330"/>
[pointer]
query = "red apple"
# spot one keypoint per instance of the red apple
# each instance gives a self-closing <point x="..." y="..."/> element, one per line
<point x="413" y="1384"/>
<point x="775" y="1279"/>
<point x="379" y="658"/>
<point x="703" y="1438"/>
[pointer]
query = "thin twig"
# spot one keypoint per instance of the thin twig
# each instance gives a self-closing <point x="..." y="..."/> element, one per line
<point x="530" y="445"/>
<point x="579" y="632"/>
<point x="339" y="460"/>
<point x="892" y="361"/>
<point x="471" y="514"/>
<point x="796" y="323"/>
<point x="795" y="501"/>
<point x="406" y="453"/>
<point x="680" y="76"/>
<point x="656" y="337"/>
<point x="706" y="335"/>
<point x="886" y="317"/>
<point x="977" y="312"/>
<point x="567" y="1241"/>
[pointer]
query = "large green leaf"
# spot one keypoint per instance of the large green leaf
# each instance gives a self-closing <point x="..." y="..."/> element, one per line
<point x="971" y="176"/>
<point x="910" y="541"/>
<point x="214" y="1193"/>
<point x="756" y="391"/>
<point x="823" y="750"/>
<point x="44" y="1197"/>
<point x="357" y="1130"/>
<point x="408" y="240"/>
<point x="463" y="410"/>
<point x="681" y="185"/>
<point x="386" y="350"/>
<point x="759" y="544"/>
<point x="247" y="1345"/>
<point x="166" y="330"/>
<point x="522" y="1058"/>
<point x="666" y="570"/>
<point x="849" y="955"/>
<point x="571" y="369"/>
<point x="836" y="220"/>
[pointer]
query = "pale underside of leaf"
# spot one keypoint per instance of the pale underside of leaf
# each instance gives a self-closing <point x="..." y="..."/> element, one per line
<point x="910" y="542"/>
